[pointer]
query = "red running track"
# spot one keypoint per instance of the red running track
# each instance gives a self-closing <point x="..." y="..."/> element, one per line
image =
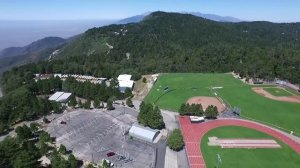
<point x="194" y="132"/>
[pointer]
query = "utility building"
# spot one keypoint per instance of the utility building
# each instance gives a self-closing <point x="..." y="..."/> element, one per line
<point x="125" y="82"/>
<point x="143" y="133"/>
<point x="60" y="97"/>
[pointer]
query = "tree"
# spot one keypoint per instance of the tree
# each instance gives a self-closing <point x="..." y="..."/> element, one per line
<point x="175" y="140"/>
<point x="90" y="166"/>
<point x="34" y="126"/>
<point x="109" y="105"/>
<point x="25" y="160"/>
<point x="72" y="161"/>
<point x="129" y="102"/>
<point x="73" y="101"/>
<point x="96" y="103"/>
<point x="23" y="133"/>
<point x="105" y="164"/>
<point x="87" y="104"/>
<point x="144" y="80"/>
<point x="155" y="119"/>
<point x="150" y="116"/>
<point x="191" y="110"/>
<point x="62" y="149"/>
<point x="128" y="92"/>
<point x="45" y="120"/>
<point x="211" y="111"/>
<point x="44" y="148"/>
<point x="9" y="148"/>
<point x="143" y="114"/>
<point x="44" y="137"/>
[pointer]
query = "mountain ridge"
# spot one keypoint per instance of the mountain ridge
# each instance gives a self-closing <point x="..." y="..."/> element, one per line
<point x="214" y="17"/>
<point x="36" y="46"/>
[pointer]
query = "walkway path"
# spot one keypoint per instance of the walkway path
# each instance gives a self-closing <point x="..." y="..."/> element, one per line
<point x="193" y="134"/>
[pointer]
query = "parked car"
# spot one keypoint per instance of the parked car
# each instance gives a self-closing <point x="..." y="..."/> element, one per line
<point x="109" y="154"/>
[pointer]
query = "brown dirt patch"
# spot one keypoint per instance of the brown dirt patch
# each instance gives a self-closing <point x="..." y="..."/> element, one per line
<point x="206" y="101"/>
<point x="262" y="92"/>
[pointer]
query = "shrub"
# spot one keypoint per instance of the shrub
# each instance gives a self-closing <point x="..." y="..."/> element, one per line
<point x="175" y="140"/>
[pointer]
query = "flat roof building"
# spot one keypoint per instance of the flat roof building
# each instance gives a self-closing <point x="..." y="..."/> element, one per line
<point x="125" y="82"/>
<point x="60" y="97"/>
<point x="143" y="133"/>
<point x="55" y="96"/>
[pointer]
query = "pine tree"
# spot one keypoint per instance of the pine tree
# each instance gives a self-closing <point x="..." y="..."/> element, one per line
<point x="73" y="101"/>
<point x="129" y="102"/>
<point x="109" y="105"/>
<point x="211" y="111"/>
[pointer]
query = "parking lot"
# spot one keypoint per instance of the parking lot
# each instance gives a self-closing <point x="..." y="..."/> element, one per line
<point x="92" y="134"/>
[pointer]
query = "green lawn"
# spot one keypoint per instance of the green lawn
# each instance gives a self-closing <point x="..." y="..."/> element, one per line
<point x="247" y="158"/>
<point x="184" y="86"/>
<point x="277" y="91"/>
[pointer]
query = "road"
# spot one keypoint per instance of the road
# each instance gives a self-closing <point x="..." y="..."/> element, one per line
<point x="160" y="153"/>
<point x="173" y="159"/>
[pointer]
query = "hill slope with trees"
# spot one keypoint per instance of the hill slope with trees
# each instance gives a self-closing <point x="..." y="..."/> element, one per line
<point x="172" y="42"/>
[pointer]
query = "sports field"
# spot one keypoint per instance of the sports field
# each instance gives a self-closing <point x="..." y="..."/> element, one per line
<point x="185" y="85"/>
<point x="277" y="91"/>
<point x="247" y="158"/>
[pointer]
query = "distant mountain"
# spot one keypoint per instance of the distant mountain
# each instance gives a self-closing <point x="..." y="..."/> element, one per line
<point x="133" y="19"/>
<point x="38" y="50"/>
<point x="138" y="18"/>
<point x="37" y="46"/>
<point x="216" y="17"/>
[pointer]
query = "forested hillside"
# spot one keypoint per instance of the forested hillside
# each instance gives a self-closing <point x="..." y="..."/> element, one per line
<point x="171" y="42"/>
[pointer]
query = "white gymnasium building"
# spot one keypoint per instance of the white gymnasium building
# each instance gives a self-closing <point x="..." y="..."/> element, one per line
<point x="125" y="82"/>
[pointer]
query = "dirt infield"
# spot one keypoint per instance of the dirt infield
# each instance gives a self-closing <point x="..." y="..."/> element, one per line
<point x="262" y="92"/>
<point x="206" y="101"/>
<point x="193" y="134"/>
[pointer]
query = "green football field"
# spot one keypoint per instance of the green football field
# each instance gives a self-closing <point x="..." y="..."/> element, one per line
<point x="277" y="91"/>
<point x="247" y="158"/>
<point x="182" y="86"/>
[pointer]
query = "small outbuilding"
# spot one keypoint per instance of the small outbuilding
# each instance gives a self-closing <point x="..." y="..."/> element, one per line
<point x="144" y="133"/>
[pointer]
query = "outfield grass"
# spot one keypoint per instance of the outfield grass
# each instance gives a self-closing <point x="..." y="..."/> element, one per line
<point x="247" y="158"/>
<point x="184" y="86"/>
<point x="277" y="91"/>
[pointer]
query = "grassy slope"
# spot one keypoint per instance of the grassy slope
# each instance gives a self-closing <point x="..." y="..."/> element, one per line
<point x="277" y="92"/>
<point x="283" y="114"/>
<point x="247" y="158"/>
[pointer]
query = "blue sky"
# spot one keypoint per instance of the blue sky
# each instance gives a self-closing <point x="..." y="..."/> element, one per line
<point x="270" y="10"/>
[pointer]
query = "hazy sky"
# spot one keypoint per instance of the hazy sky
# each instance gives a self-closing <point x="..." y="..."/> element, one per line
<point x="271" y="10"/>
